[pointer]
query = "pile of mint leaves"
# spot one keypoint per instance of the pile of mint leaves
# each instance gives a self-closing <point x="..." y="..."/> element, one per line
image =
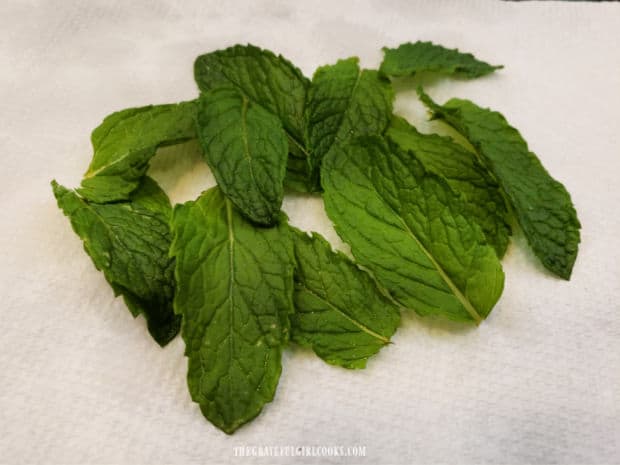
<point x="427" y="218"/>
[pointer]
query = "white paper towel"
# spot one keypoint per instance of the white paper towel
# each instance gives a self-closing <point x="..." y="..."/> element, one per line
<point x="82" y="382"/>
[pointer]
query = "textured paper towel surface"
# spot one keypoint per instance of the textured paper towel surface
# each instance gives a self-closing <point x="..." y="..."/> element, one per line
<point x="82" y="382"/>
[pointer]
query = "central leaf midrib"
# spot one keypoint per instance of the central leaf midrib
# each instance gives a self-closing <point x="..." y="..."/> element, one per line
<point x="360" y="325"/>
<point x="348" y="106"/>
<point x="285" y="123"/>
<point x="349" y="100"/>
<point x="127" y="153"/>
<point x="244" y="136"/>
<point x="455" y="290"/>
<point x="231" y="280"/>
<point x="294" y="139"/>
<point x="248" y="155"/>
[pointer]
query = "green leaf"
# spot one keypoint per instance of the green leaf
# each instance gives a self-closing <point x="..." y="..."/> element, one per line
<point x="234" y="290"/>
<point x="541" y="204"/>
<point x="465" y="174"/>
<point x="269" y="80"/>
<point x="345" y="102"/>
<point x="407" y="226"/>
<point x="129" y="242"/>
<point x="272" y="82"/>
<point x="339" y="311"/>
<point x="300" y="175"/>
<point x="125" y="143"/>
<point x="409" y="59"/>
<point x="246" y="148"/>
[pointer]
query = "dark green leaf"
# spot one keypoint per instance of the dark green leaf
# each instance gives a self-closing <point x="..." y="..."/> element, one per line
<point x="246" y="148"/>
<point x="411" y="58"/>
<point x="541" y="204"/>
<point x="345" y="102"/>
<point x="300" y="175"/>
<point x="129" y="242"/>
<point x="234" y="290"/>
<point x="272" y="82"/>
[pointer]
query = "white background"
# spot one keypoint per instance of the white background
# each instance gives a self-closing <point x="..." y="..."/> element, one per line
<point x="82" y="382"/>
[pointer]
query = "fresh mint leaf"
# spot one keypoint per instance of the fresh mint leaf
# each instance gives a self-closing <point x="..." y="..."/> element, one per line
<point x="269" y="80"/>
<point x="541" y="204"/>
<point x="125" y="143"/>
<point x="129" y="241"/>
<point x="301" y="176"/>
<point x="406" y="225"/>
<point x="483" y="197"/>
<point x="345" y="102"/>
<point x="411" y="58"/>
<point x="234" y="290"/>
<point x="246" y="148"/>
<point x="339" y="311"/>
<point x="272" y="82"/>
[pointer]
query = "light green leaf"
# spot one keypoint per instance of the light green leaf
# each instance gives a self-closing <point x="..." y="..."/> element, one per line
<point x="339" y="311"/>
<point x="246" y="148"/>
<point x="411" y="58"/>
<point x="345" y="102"/>
<point x="465" y="174"/>
<point x="541" y="204"/>
<point x="234" y="290"/>
<point x="129" y="241"/>
<point x="125" y="143"/>
<point x="407" y="226"/>
<point x="272" y="82"/>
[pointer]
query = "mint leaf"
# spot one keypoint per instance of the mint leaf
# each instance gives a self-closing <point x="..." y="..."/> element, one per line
<point x="234" y="290"/>
<point x="541" y="204"/>
<point x="129" y="241"/>
<point x="301" y="176"/>
<point x="345" y="102"/>
<point x="246" y="148"/>
<point x="125" y="143"/>
<point x="339" y="311"/>
<point x="411" y="58"/>
<point x="269" y="80"/>
<point x="406" y="225"/>
<point x="274" y="83"/>
<point x="465" y="174"/>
